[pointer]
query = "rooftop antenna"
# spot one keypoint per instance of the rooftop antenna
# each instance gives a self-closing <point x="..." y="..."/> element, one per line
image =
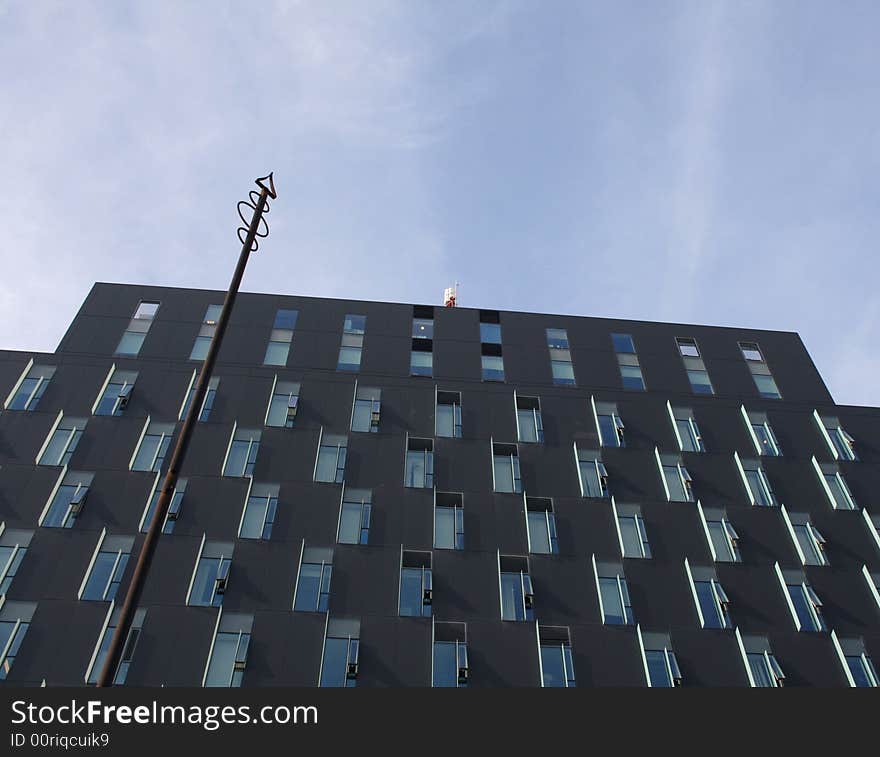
<point x="450" y="296"/>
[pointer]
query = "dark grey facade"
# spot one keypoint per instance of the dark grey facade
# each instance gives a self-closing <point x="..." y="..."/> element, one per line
<point x="564" y="542"/>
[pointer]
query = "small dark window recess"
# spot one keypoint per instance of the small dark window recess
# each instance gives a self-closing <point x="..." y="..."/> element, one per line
<point x="490" y="349"/>
<point x="490" y="316"/>
<point x="448" y="499"/>
<point x="422" y="345"/>
<point x="423" y="311"/>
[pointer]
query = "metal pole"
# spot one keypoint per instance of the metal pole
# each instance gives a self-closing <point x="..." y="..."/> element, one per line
<point x="145" y="558"/>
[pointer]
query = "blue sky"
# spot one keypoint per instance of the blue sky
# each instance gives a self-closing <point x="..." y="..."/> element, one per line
<point x="704" y="162"/>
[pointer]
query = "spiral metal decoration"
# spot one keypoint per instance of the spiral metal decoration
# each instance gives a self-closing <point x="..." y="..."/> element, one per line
<point x="253" y="205"/>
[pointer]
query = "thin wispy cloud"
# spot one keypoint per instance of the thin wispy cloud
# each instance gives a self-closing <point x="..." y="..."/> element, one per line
<point x="707" y="162"/>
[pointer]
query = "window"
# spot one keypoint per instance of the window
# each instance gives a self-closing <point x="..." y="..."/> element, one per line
<point x="353" y="329"/>
<point x="687" y="347"/>
<point x="150" y="453"/>
<point x="354" y="517"/>
<point x="211" y="575"/>
<point x="117" y="392"/>
<point x="687" y="433"/>
<point x="206" y="333"/>
<point x="517" y="596"/>
<point x="529" y="427"/>
<point x="280" y="338"/>
<point x="423" y="322"/>
<point x="693" y="363"/>
<point x="614" y="601"/>
<point x="677" y="482"/>
<point x="608" y="423"/>
<point x="259" y="512"/>
<point x="560" y="357"/>
<point x="448" y="414"/>
<point x="450" y="665"/>
<point x="764" y="670"/>
<point x="339" y="663"/>
<point x="15" y="619"/>
<point x="313" y="584"/>
<point x="421" y="359"/>
<point x="99" y="656"/>
<point x="858" y="667"/>
<point x="713" y="606"/>
<point x="623" y="343"/>
<point x="14" y="545"/>
<point x="134" y="335"/>
<point x="61" y="442"/>
<point x="591" y="473"/>
<point x="448" y="521"/>
<point x="631" y="531"/>
<point x="761" y="433"/>
<point x="757" y="484"/>
<point x="283" y="404"/>
<point x="419" y="464"/>
<point x="228" y="657"/>
<point x="492" y="365"/>
<point x="68" y="501"/>
<point x="835" y="487"/>
<point x="804" y="603"/>
<point x="207" y="402"/>
<point x="106" y="569"/>
<point x="30" y="388"/>
<point x="330" y="464"/>
<point x="242" y="453"/>
<point x="367" y="409"/>
<point x="628" y="362"/>
<point x="416" y="586"/>
<point x="490" y="327"/>
<point x="541" y="526"/>
<point x="723" y="539"/>
<point x="505" y="468"/>
<point x="809" y="543"/>
<point x="840" y="443"/>
<point x="173" y="507"/>
<point x="760" y="371"/>
<point x="661" y="667"/>
<point x="557" y="668"/>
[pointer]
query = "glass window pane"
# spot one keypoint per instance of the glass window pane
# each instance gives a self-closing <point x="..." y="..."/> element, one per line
<point x="700" y="382"/>
<point x="200" y="348"/>
<point x="203" y="585"/>
<point x="539" y="536"/>
<point x="760" y="671"/>
<point x="673" y="482"/>
<point x="254" y="516"/>
<point x="100" y="576"/>
<point x="493" y="368"/>
<point x="503" y="473"/>
<point x="222" y="660"/>
<point x="308" y="588"/>
<point x="563" y="373"/>
<point x="490" y="333"/>
<point x="411" y="591"/>
<point x="350" y="523"/>
<point x="349" y="359"/>
<point x="444" y="527"/>
<point x="657" y="670"/>
<point x="445" y="421"/>
<point x="423" y="328"/>
<point x="766" y="386"/>
<point x="334" y="663"/>
<point x="720" y="541"/>
<point x="286" y="319"/>
<point x="512" y="597"/>
<point x="632" y="377"/>
<point x="237" y="460"/>
<point x="608" y="431"/>
<point x="611" y="604"/>
<point x="552" y="665"/>
<point x="130" y="344"/>
<point x="445" y="665"/>
<point x="528" y="431"/>
<point x="421" y="363"/>
<point x="276" y="353"/>
<point x="632" y="540"/>
<point x="623" y="343"/>
<point x="361" y="418"/>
